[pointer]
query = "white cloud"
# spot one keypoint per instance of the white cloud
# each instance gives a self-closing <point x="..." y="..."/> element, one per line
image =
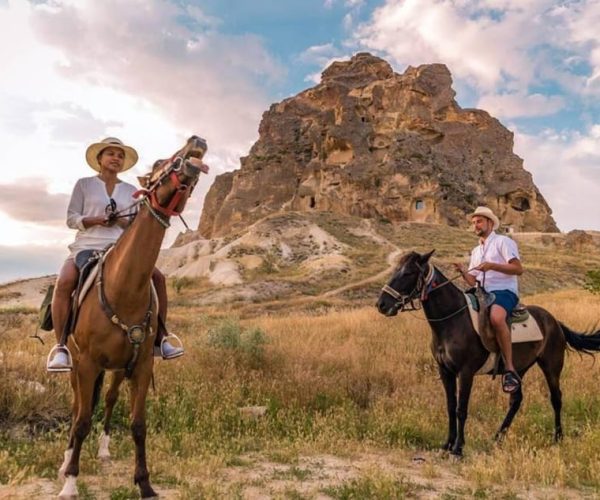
<point x="199" y="79"/>
<point x="518" y="104"/>
<point x="321" y="56"/>
<point x="495" y="45"/>
<point x="85" y="70"/>
<point x="566" y="168"/>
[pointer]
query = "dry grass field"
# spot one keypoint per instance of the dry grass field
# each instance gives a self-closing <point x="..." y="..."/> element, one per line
<point x="312" y="394"/>
<point x="353" y="408"/>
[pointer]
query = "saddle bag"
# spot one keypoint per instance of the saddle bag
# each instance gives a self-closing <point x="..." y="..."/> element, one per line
<point x="45" y="314"/>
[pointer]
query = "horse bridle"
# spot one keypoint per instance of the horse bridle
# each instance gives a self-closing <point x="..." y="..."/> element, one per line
<point x="420" y="292"/>
<point x="402" y="300"/>
<point x="160" y="213"/>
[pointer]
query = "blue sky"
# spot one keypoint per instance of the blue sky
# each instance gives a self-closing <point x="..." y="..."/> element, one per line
<point x="154" y="71"/>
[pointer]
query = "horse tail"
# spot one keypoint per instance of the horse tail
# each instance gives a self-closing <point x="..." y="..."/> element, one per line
<point x="588" y="343"/>
<point x="97" y="389"/>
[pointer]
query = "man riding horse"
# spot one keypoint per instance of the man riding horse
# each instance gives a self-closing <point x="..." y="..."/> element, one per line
<point x="495" y="265"/>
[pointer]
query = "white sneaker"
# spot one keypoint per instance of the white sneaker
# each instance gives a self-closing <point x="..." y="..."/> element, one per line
<point x="59" y="359"/>
<point x="168" y="351"/>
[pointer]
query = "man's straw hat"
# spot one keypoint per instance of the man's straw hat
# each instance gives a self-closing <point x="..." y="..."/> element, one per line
<point x="486" y="212"/>
<point x="93" y="150"/>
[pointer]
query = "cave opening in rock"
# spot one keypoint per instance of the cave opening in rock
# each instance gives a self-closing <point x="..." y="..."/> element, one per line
<point x="419" y="204"/>
<point x="521" y="204"/>
<point x="312" y="202"/>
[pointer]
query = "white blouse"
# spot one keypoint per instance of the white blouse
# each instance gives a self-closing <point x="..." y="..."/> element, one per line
<point x="90" y="199"/>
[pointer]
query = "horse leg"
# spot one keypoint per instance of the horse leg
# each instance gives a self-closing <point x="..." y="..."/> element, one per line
<point x="74" y="411"/>
<point x="449" y="381"/>
<point x="553" y="380"/>
<point x="139" y="390"/>
<point x="109" y="404"/>
<point x="465" y="382"/>
<point x="513" y="407"/>
<point x="86" y="378"/>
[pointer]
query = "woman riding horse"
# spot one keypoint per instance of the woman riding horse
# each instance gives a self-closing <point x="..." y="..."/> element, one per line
<point x="115" y="327"/>
<point x="94" y="203"/>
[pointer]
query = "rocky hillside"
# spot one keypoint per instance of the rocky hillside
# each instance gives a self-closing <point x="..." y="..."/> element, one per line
<point x="295" y="257"/>
<point x="373" y="143"/>
<point x="321" y="258"/>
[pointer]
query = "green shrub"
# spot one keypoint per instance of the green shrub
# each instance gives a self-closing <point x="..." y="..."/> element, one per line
<point x="181" y="282"/>
<point x="248" y="344"/>
<point x="592" y="281"/>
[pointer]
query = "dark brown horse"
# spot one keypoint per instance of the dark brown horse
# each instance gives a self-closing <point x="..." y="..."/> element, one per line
<point x="457" y="347"/>
<point x="116" y="325"/>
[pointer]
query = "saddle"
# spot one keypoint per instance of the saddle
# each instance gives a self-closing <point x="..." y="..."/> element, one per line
<point x="524" y="327"/>
<point x="520" y="314"/>
<point x="86" y="261"/>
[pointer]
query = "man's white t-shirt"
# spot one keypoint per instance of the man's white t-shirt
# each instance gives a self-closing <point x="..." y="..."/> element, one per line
<point x="499" y="249"/>
<point x="89" y="199"/>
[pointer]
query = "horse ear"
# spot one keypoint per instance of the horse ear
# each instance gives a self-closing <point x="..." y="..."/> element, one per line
<point x="426" y="256"/>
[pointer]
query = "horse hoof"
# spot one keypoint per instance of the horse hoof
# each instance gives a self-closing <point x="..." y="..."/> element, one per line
<point x="146" y="491"/>
<point x="69" y="490"/>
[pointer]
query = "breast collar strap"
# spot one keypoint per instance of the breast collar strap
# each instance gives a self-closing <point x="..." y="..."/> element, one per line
<point x="136" y="334"/>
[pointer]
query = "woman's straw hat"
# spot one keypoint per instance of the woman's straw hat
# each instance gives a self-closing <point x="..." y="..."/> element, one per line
<point x="93" y="150"/>
<point x="486" y="212"/>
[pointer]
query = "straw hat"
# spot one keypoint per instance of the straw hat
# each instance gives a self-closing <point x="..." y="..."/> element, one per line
<point x="486" y="212"/>
<point x="93" y="150"/>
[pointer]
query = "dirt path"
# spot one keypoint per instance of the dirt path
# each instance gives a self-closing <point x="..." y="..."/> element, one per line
<point x="398" y="474"/>
<point x="391" y="259"/>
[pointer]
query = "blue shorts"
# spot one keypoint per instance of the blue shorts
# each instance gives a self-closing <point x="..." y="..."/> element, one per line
<point x="505" y="299"/>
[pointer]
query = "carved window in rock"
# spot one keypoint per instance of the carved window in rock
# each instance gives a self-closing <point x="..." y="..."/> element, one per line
<point x="419" y="205"/>
<point x="312" y="202"/>
<point x="521" y="204"/>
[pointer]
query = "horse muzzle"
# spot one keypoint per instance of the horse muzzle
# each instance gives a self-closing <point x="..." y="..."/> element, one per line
<point x="387" y="310"/>
<point x="190" y="170"/>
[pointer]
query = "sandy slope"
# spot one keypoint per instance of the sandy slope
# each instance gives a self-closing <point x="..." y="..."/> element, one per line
<point x="25" y="293"/>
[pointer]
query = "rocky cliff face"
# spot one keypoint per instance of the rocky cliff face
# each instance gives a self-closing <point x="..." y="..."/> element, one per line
<point x="369" y="142"/>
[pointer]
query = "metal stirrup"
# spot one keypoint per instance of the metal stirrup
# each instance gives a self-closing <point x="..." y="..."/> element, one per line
<point x="56" y="349"/>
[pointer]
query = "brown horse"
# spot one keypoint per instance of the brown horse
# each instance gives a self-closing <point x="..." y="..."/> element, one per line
<point x="115" y="328"/>
<point x="459" y="351"/>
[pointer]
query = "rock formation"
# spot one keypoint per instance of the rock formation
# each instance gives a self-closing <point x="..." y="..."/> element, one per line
<point x="369" y="142"/>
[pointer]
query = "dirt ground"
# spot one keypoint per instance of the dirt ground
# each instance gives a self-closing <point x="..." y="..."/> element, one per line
<point x="425" y="475"/>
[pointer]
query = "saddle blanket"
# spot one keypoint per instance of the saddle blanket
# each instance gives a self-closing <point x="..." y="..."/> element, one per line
<point x="525" y="331"/>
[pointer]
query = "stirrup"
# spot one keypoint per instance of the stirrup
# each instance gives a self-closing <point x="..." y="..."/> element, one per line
<point x="177" y="345"/>
<point x="54" y="351"/>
